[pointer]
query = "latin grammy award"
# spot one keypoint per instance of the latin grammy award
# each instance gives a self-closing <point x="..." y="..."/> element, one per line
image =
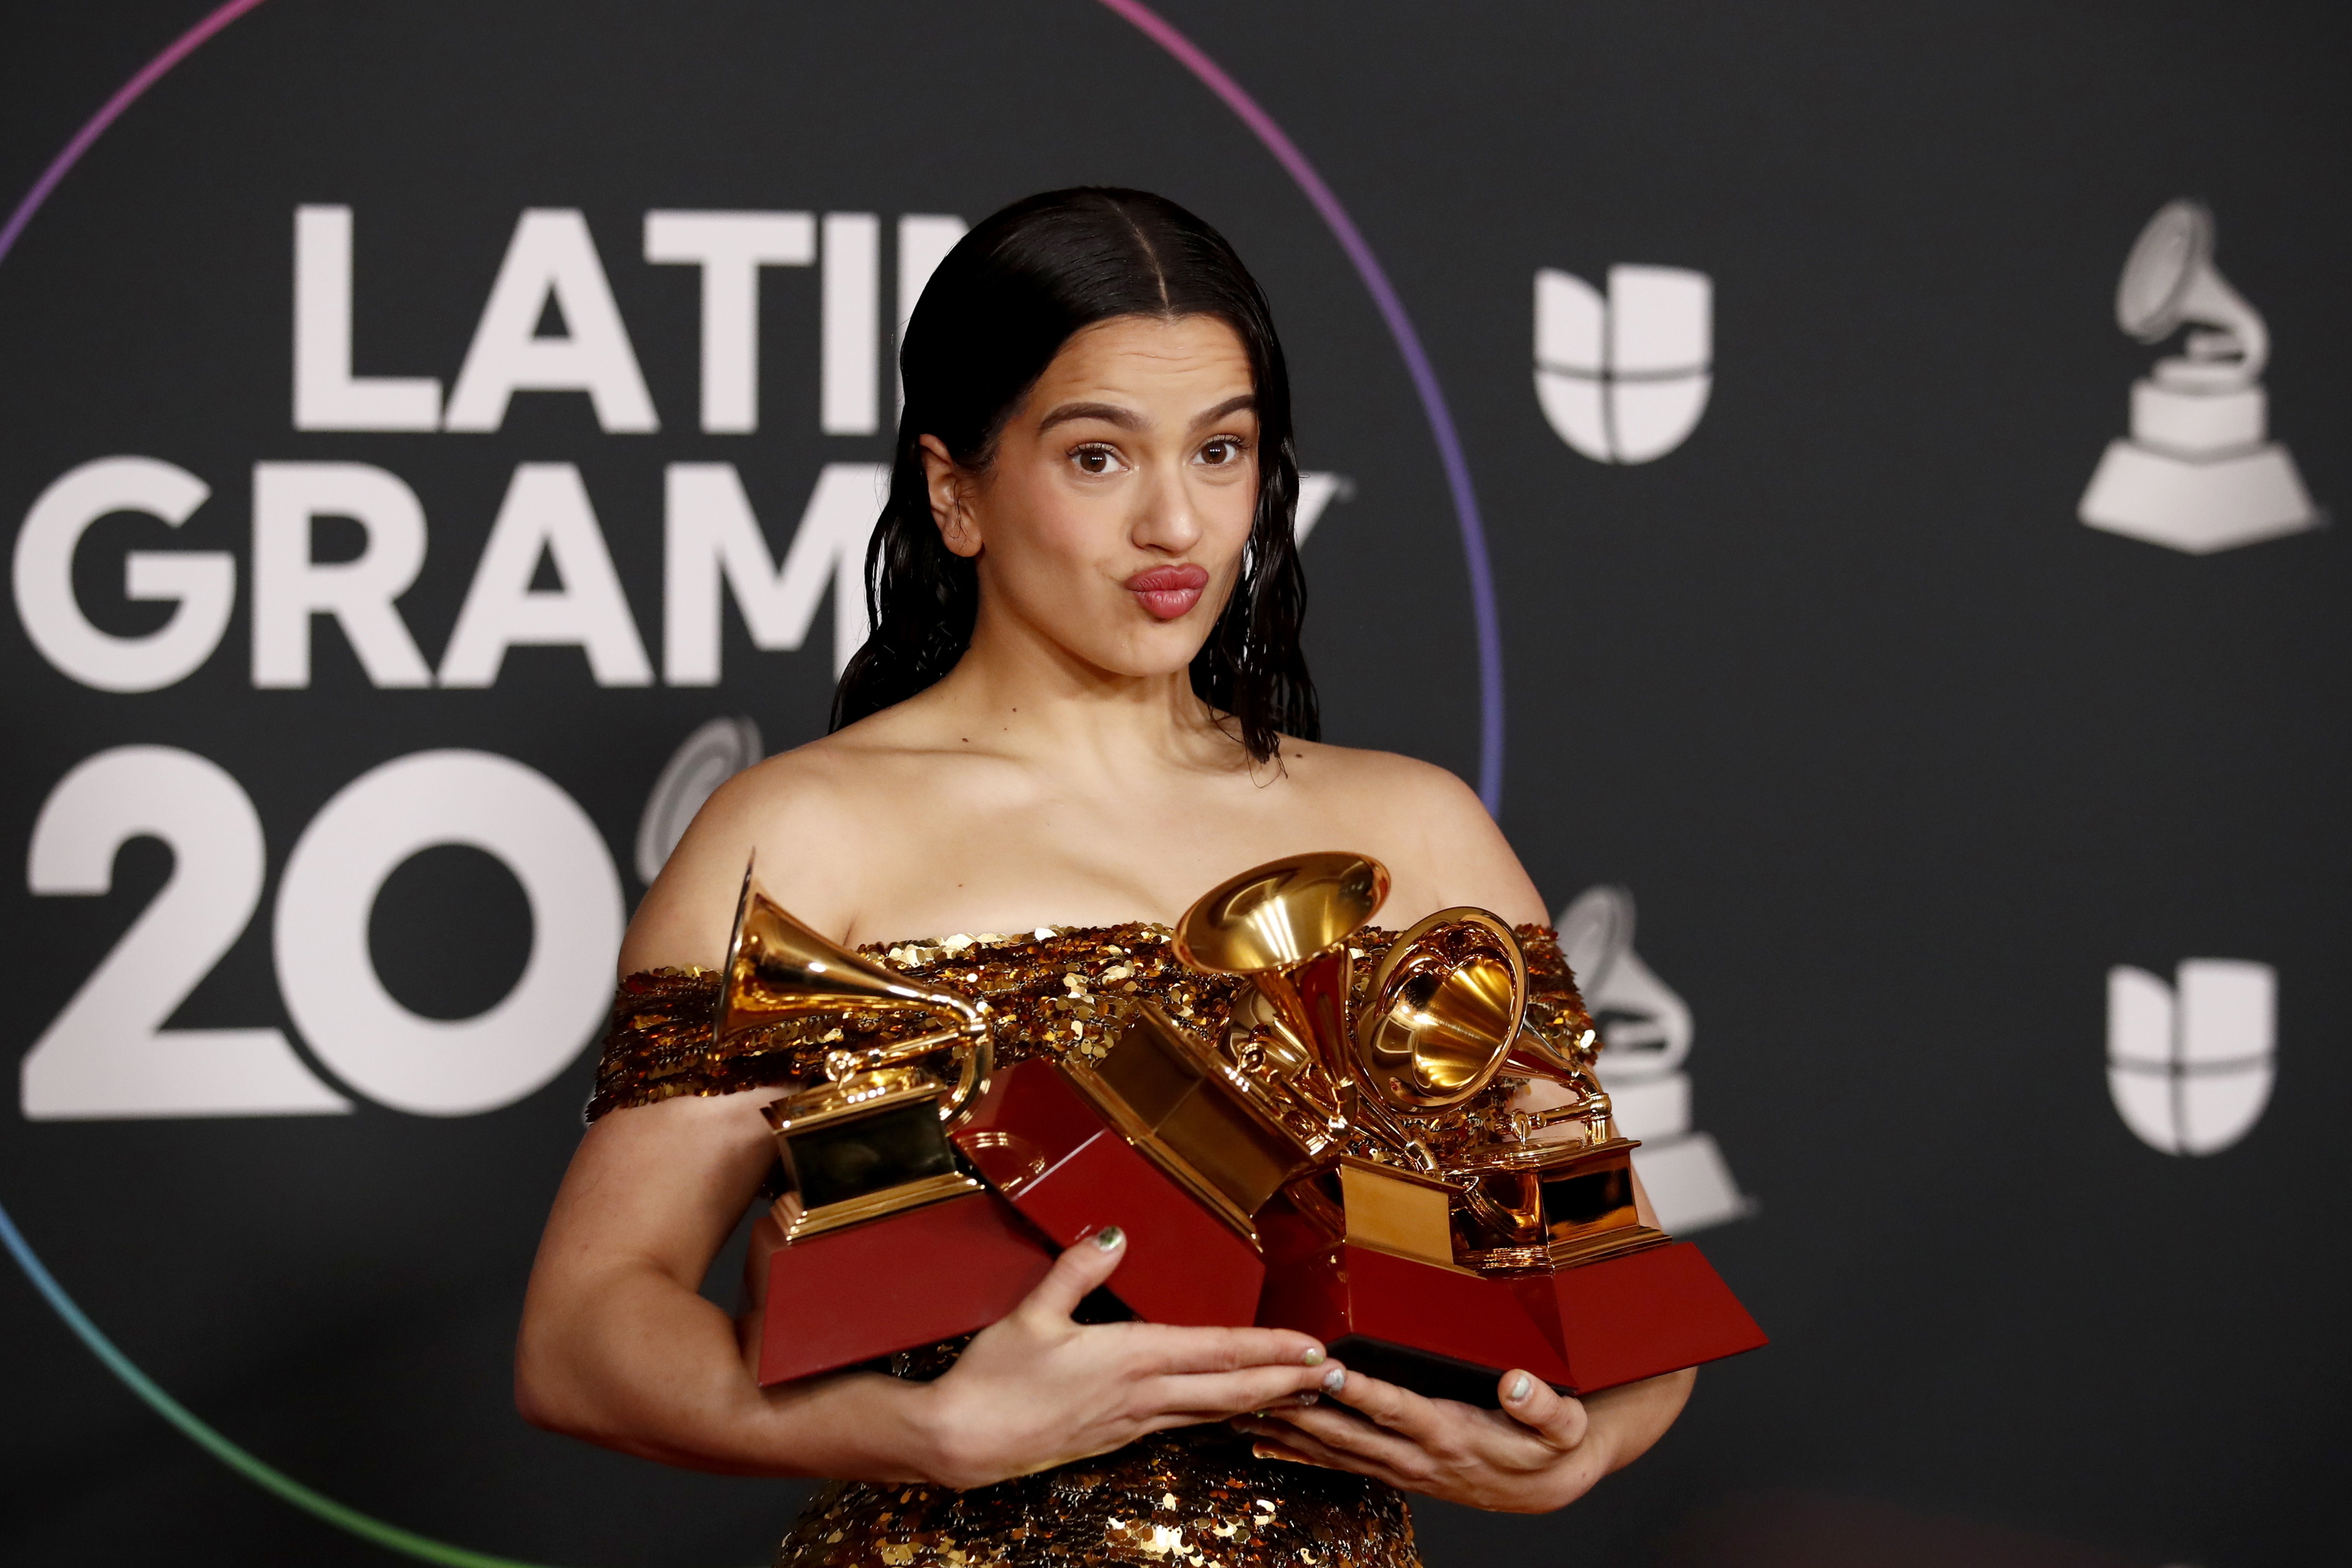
<point x="2199" y="473"/>
<point x="877" y="1207"/>
<point x="1343" y="1158"/>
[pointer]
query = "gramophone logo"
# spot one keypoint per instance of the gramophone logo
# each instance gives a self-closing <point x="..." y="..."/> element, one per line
<point x="706" y="759"/>
<point x="1647" y="1032"/>
<point x="1625" y="379"/>
<point x="2190" y="1064"/>
<point x="2198" y="474"/>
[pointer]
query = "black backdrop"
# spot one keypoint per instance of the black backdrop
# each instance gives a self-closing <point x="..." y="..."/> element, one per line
<point x="1899" y="758"/>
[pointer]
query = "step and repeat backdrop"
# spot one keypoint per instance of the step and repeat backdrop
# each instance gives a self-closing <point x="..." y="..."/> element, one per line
<point x="1850" y="486"/>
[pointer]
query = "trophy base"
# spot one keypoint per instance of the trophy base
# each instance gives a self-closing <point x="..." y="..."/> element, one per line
<point x="1440" y="1331"/>
<point x="1634" y="1316"/>
<point x="1054" y="1158"/>
<point x="2198" y="504"/>
<point x="1449" y="1333"/>
<point x="888" y="1285"/>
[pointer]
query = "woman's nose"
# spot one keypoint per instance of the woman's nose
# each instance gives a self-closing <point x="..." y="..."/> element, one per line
<point x="1168" y="521"/>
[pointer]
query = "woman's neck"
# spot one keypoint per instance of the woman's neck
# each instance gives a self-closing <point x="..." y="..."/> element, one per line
<point x="1033" y="697"/>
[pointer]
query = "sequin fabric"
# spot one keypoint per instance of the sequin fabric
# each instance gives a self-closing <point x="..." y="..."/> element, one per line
<point x="1192" y="1498"/>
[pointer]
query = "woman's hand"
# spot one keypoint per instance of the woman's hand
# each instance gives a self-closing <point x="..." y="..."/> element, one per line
<point x="1037" y="1390"/>
<point x="1541" y="1451"/>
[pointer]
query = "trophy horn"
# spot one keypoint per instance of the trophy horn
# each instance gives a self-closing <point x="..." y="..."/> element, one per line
<point x="1444" y="1011"/>
<point x="777" y="970"/>
<point x="1285" y="925"/>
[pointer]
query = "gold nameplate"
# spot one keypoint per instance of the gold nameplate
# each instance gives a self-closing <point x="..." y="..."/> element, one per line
<point x="871" y="1145"/>
<point x="1191" y="1114"/>
<point x="1408" y="1212"/>
<point x="1548" y="1205"/>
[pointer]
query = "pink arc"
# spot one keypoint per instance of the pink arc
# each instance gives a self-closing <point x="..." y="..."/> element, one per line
<point x="187" y="44"/>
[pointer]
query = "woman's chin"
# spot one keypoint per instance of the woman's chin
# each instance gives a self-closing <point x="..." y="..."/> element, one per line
<point x="1148" y="652"/>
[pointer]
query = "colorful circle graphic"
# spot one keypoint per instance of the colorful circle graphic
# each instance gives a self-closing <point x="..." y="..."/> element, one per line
<point x="1487" y="625"/>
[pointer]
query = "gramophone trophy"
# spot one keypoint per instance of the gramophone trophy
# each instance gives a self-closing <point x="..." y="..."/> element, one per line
<point x="1160" y="1137"/>
<point x="1341" y="1165"/>
<point x="1436" y="1252"/>
<point x="1164" y="1129"/>
<point x="1549" y="1202"/>
<point x="2199" y="473"/>
<point x="883" y="1241"/>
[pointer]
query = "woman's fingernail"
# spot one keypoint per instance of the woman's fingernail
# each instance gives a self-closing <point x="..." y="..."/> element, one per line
<point x="1313" y="1356"/>
<point x="1521" y="1387"/>
<point x="1110" y="1238"/>
<point x="1335" y="1380"/>
<point x="1309" y="1397"/>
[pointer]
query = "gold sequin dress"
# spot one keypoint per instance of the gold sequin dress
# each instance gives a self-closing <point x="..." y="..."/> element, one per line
<point x="1190" y="1497"/>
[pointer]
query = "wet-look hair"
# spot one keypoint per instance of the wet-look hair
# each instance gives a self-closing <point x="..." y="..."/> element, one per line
<point x="993" y="317"/>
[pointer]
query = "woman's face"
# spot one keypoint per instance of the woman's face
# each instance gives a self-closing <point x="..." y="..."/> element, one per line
<point x="1112" y="522"/>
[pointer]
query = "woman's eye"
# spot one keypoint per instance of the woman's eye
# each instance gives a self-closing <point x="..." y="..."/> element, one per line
<point x="1222" y="451"/>
<point x="1093" y="459"/>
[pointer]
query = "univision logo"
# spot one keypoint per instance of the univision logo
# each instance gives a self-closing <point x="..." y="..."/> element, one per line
<point x="2190" y="1064"/>
<point x="1625" y="379"/>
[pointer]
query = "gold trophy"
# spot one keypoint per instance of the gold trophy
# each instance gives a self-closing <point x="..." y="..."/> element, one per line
<point x="1196" y="1117"/>
<point x="870" y="1140"/>
<point x="1158" y="1136"/>
<point x="1445" y="1014"/>
<point x="1286" y="926"/>
<point x="1545" y="1204"/>
<point x="1428" y="1248"/>
<point x="884" y="1241"/>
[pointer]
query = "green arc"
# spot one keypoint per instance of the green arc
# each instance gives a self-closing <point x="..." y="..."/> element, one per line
<point x="261" y="1474"/>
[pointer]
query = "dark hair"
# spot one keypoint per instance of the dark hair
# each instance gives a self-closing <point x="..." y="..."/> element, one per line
<point x="994" y="314"/>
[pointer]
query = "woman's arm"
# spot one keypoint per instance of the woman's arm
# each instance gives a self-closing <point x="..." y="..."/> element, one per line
<point x="618" y="1346"/>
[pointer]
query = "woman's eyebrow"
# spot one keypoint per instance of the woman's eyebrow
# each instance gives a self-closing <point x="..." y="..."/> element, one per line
<point x="1109" y="412"/>
<point x="1231" y="405"/>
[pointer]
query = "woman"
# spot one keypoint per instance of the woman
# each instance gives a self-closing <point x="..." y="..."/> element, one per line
<point x="1083" y="705"/>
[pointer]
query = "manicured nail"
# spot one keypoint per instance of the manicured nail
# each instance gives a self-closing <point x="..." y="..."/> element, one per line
<point x="1335" y="1380"/>
<point x="1521" y="1387"/>
<point x="1309" y="1397"/>
<point x="1110" y="1238"/>
<point x="1313" y="1356"/>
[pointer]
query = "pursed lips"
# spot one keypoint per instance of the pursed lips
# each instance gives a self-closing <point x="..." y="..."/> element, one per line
<point x="1168" y="592"/>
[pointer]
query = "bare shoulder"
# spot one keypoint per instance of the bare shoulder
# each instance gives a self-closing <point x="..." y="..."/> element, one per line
<point x="1376" y="777"/>
<point x="1433" y="831"/>
<point x="800" y="815"/>
<point x="1384" y="790"/>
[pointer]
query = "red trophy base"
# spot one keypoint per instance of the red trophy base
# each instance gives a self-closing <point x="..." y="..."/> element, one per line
<point x="1450" y="1334"/>
<point x="1445" y="1332"/>
<point x="888" y="1285"/>
<point x="1043" y="1147"/>
<point x="1624" y="1318"/>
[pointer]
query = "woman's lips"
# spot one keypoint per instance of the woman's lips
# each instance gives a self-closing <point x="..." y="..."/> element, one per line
<point x="1168" y="592"/>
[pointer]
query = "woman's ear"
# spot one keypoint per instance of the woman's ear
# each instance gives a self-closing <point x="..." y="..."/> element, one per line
<point x="951" y="496"/>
